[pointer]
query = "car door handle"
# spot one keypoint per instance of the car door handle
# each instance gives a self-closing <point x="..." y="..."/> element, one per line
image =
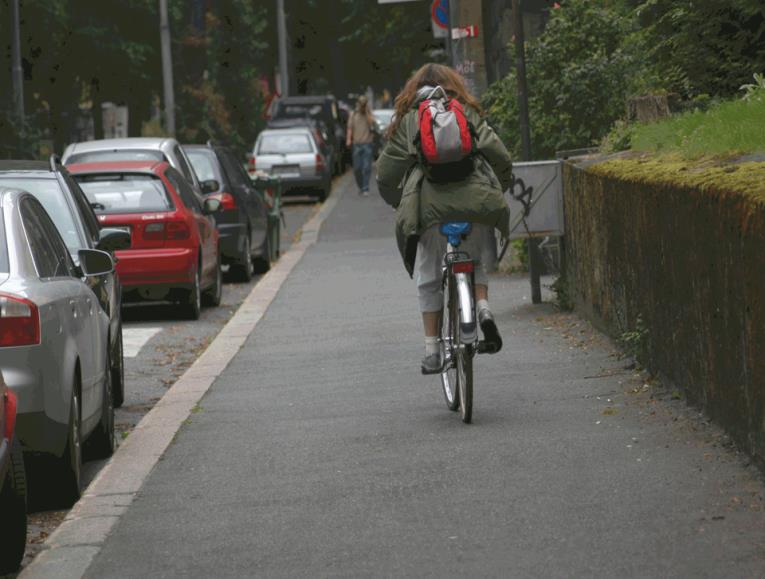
<point x="73" y="305"/>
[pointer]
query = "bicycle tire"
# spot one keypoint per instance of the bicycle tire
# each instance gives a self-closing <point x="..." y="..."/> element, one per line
<point x="465" y="382"/>
<point x="448" y="338"/>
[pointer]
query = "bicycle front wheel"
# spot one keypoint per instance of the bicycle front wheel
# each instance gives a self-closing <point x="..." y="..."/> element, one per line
<point x="449" y="325"/>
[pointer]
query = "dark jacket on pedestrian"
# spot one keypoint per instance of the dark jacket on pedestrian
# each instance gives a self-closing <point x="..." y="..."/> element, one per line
<point x="421" y="203"/>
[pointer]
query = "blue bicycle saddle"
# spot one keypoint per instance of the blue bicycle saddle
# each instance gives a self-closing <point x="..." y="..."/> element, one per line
<point x="454" y="231"/>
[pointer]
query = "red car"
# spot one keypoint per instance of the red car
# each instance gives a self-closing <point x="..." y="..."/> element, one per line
<point x="174" y="253"/>
<point x="13" y="487"/>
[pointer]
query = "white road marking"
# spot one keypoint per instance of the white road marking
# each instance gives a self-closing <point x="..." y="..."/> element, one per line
<point x="133" y="339"/>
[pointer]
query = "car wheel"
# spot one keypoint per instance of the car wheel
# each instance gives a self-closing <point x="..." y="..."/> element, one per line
<point x="243" y="269"/>
<point x="101" y="443"/>
<point x="64" y="483"/>
<point x="213" y="295"/>
<point x="193" y="303"/>
<point x="263" y="261"/>
<point x="13" y="506"/>
<point x="118" y="372"/>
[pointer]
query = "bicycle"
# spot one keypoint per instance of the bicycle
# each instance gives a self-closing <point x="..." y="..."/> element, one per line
<point x="459" y="332"/>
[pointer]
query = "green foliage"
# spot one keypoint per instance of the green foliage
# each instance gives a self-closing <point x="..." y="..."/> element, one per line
<point x="635" y="341"/>
<point x="580" y="71"/>
<point x="704" y="46"/>
<point x="729" y="127"/>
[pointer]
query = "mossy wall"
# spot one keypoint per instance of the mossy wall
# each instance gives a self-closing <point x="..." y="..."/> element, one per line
<point x="683" y="248"/>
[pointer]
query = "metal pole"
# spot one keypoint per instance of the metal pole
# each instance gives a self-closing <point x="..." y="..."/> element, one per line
<point x="449" y="49"/>
<point x="167" y="68"/>
<point x="281" y="25"/>
<point x="535" y="259"/>
<point x="17" y="72"/>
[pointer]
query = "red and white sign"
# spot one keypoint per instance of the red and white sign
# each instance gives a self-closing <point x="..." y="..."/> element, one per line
<point x="470" y="31"/>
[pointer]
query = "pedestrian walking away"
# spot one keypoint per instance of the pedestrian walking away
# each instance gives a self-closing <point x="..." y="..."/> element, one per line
<point x="424" y="202"/>
<point x="360" y="136"/>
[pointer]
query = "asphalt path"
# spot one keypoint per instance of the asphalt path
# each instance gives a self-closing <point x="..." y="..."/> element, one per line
<point x="159" y="345"/>
<point x="321" y="451"/>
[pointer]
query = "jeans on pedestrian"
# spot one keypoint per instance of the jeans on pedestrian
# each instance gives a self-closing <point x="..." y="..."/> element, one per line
<point x="362" y="164"/>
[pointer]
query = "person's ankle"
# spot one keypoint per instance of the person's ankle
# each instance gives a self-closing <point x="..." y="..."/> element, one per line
<point x="431" y="345"/>
<point x="482" y="305"/>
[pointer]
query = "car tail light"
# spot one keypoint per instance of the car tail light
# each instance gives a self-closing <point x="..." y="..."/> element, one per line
<point x="177" y="230"/>
<point x="19" y="321"/>
<point x="227" y="201"/>
<point x="251" y="164"/>
<point x="10" y="413"/>
<point x="319" y="164"/>
<point x="154" y="232"/>
<point x="462" y="267"/>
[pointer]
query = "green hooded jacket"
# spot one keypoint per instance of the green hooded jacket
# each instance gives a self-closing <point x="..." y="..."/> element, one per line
<point x="421" y="203"/>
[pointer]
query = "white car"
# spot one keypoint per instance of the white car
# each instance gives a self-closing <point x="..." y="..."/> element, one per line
<point x="294" y="156"/>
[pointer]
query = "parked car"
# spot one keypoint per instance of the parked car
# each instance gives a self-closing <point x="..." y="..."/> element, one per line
<point x="174" y="252"/>
<point x="243" y="219"/>
<point x="384" y="118"/>
<point x="13" y="487"/>
<point x="53" y="343"/>
<point x="295" y="157"/>
<point x="72" y="214"/>
<point x="322" y="107"/>
<point x="321" y="135"/>
<point x="134" y="149"/>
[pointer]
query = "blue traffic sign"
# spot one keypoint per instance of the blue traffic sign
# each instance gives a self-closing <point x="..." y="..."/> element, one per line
<point x="439" y="11"/>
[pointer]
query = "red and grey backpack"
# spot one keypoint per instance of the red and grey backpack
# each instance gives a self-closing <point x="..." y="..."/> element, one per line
<point x="446" y="140"/>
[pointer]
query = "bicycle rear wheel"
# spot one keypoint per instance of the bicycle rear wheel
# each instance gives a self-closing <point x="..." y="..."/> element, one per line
<point x="449" y="325"/>
<point x="464" y="364"/>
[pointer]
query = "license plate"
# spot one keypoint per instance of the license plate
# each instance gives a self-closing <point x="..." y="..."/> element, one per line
<point x="286" y="170"/>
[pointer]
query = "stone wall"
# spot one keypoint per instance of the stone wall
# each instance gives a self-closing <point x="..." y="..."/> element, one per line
<point x="675" y="253"/>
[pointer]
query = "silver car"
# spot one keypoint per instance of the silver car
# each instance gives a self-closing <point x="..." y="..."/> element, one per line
<point x="295" y="156"/>
<point x="53" y="337"/>
<point x="134" y="149"/>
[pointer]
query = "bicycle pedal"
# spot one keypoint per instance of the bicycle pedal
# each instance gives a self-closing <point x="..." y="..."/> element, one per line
<point x="485" y="347"/>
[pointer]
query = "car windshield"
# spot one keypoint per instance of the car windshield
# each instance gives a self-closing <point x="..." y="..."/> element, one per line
<point x="116" y="155"/>
<point x="49" y="193"/>
<point x="281" y="144"/>
<point x="125" y="193"/>
<point x="299" y="110"/>
<point x="202" y="163"/>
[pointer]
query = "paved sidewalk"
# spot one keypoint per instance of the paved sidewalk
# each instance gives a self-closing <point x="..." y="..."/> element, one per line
<point x="321" y="451"/>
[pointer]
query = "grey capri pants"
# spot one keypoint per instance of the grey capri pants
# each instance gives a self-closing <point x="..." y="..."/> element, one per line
<point x="480" y="244"/>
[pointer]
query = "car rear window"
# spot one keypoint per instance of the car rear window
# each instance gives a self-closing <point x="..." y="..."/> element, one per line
<point x="202" y="163"/>
<point x="118" y="155"/>
<point x="48" y="192"/>
<point x="299" y="110"/>
<point x="291" y="143"/>
<point x="125" y="193"/>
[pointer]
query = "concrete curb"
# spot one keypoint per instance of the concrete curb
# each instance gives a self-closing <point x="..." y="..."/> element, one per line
<point x="71" y="548"/>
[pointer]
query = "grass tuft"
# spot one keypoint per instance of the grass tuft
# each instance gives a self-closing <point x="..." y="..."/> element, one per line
<point x="732" y="127"/>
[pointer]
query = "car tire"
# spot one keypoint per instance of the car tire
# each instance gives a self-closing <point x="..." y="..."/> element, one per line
<point x="322" y="194"/>
<point x="193" y="302"/>
<point x="102" y="443"/>
<point x="243" y="269"/>
<point x="64" y="481"/>
<point x="213" y="295"/>
<point x="263" y="261"/>
<point x="118" y="372"/>
<point x="13" y="506"/>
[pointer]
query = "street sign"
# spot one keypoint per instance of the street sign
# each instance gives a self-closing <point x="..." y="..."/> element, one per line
<point x="470" y="31"/>
<point x="537" y="195"/>
<point x="439" y="18"/>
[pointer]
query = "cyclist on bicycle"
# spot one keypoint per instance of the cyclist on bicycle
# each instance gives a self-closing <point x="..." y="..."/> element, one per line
<point x="423" y="205"/>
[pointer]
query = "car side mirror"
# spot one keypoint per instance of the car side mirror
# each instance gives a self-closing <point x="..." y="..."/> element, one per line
<point x="211" y="206"/>
<point x="113" y="239"/>
<point x="209" y="186"/>
<point x="94" y="262"/>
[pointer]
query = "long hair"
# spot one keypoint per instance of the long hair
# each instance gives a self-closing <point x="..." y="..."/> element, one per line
<point x="432" y="74"/>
